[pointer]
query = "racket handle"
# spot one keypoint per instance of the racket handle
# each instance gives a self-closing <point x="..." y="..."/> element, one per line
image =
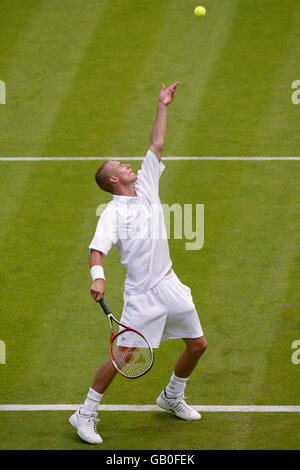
<point x="105" y="307"/>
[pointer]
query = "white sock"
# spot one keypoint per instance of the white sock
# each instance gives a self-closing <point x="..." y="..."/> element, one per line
<point x="176" y="386"/>
<point x="92" y="400"/>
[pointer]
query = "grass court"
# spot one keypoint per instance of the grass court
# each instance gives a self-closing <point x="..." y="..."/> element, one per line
<point x="82" y="80"/>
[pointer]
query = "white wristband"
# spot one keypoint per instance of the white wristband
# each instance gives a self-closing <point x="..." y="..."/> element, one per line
<point x="97" y="272"/>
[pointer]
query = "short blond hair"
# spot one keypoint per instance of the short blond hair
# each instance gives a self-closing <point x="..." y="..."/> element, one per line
<point x="102" y="177"/>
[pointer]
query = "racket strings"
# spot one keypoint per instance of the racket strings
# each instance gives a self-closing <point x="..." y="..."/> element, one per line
<point x="131" y="353"/>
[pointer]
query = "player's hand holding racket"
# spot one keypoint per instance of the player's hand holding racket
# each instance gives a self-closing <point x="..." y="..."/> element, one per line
<point x="130" y="352"/>
<point x="98" y="289"/>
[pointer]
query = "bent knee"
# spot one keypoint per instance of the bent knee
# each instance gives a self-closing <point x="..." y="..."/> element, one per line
<point x="197" y="346"/>
<point x="202" y="344"/>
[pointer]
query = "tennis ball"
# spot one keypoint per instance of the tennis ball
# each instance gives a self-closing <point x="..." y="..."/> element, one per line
<point x="200" y="11"/>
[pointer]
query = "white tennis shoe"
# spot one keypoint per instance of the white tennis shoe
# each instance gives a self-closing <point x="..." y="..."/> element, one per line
<point x="86" y="425"/>
<point x="178" y="405"/>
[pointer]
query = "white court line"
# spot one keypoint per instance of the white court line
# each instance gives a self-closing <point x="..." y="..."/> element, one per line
<point x="39" y="159"/>
<point x="207" y="408"/>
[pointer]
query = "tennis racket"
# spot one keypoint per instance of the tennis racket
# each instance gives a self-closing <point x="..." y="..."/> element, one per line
<point x="130" y="352"/>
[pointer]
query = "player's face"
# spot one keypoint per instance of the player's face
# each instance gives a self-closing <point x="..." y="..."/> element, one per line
<point x="124" y="173"/>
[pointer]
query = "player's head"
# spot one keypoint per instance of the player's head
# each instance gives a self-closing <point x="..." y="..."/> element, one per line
<point x="112" y="175"/>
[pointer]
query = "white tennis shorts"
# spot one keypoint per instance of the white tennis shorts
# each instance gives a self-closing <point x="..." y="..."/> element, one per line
<point x="166" y="311"/>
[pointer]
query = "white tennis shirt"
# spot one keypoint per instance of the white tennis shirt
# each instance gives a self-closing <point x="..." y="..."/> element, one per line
<point x="135" y="226"/>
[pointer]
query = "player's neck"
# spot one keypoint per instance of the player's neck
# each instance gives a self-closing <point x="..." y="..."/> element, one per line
<point x="126" y="191"/>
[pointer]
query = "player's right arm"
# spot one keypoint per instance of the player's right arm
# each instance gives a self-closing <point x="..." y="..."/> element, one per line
<point x="105" y="237"/>
<point x="98" y="285"/>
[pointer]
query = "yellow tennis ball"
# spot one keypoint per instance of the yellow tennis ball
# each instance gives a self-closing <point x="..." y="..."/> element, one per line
<point x="200" y="11"/>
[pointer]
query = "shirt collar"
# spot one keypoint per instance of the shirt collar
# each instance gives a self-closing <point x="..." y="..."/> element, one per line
<point x="124" y="199"/>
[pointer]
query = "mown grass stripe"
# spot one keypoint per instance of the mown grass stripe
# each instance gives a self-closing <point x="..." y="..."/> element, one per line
<point x="173" y="59"/>
<point x="93" y="113"/>
<point x="248" y="82"/>
<point x="267" y="125"/>
<point x="40" y="71"/>
<point x="38" y="75"/>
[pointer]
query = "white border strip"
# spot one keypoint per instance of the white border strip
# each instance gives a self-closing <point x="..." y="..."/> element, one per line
<point x="39" y="159"/>
<point x="209" y="408"/>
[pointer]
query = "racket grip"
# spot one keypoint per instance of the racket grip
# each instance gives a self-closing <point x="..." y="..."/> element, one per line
<point x="105" y="307"/>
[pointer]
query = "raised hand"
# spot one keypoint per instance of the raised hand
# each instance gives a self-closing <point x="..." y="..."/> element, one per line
<point x="166" y="95"/>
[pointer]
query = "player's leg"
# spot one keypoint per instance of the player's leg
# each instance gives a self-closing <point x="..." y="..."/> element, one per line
<point x="134" y="314"/>
<point x="182" y="322"/>
<point x="189" y="358"/>
<point x="85" y="419"/>
<point x="104" y="376"/>
<point x="172" y="397"/>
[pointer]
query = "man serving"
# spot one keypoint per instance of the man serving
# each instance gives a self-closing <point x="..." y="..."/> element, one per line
<point x="156" y="303"/>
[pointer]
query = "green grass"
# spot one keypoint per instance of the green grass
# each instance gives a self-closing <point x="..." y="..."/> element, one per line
<point x="155" y="431"/>
<point x="83" y="80"/>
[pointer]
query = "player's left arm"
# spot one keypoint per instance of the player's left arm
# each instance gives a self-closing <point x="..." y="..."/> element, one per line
<point x="158" y="133"/>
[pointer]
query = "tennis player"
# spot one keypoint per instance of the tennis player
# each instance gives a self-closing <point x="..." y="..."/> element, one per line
<point x="156" y="303"/>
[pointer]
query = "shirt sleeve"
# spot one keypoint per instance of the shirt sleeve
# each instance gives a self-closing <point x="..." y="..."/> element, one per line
<point x="106" y="234"/>
<point x="149" y="174"/>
